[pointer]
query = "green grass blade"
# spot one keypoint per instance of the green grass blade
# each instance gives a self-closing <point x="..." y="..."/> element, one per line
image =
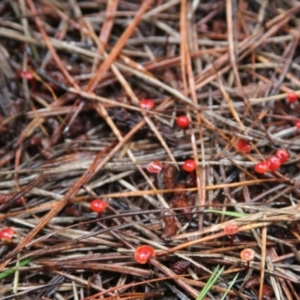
<point x="230" y="286"/>
<point x="212" y="279"/>
<point x="12" y="270"/>
<point x="227" y="213"/>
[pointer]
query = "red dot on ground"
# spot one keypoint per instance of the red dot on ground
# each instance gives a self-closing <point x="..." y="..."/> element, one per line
<point x="182" y="121"/>
<point x="261" y="167"/>
<point x="282" y="154"/>
<point x="292" y="97"/>
<point x="189" y="165"/>
<point x="247" y="254"/>
<point x="98" y="205"/>
<point x="27" y="75"/>
<point x="274" y="163"/>
<point x="154" y="166"/>
<point x="231" y="229"/>
<point x="243" y="145"/>
<point x="143" y="254"/>
<point x="6" y="233"/>
<point x="146" y="104"/>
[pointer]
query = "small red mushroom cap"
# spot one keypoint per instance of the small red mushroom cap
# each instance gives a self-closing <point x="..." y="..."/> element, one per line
<point x="231" y="229"/>
<point x="292" y="97"/>
<point x="282" y="154"/>
<point x="247" y="254"/>
<point x="261" y="167"/>
<point x="182" y="121"/>
<point x="26" y="75"/>
<point x="143" y="254"/>
<point x="189" y="165"/>
<point x="6" y="233"/>
<point x="274" y="163"/>
<point x="243" y="145"/>
<point x="146" y="104"/>
<point x="98" y="205"/>
<point x="154" y="166"/>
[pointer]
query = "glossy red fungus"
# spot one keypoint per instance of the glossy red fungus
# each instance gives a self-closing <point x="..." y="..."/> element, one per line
<point x="146" y="104"/>
<point x="243" y="145"/>
<point x="261" y="167"/>
<point x="231" y="229"/>
<point x="143" y="254"/>
<point x="183" y="122"/>
<point x="282" y="154"/>
<point x="247" y="255"/>
<point x="297" y="124"/>
<point x="189" y="166"/>
<point x="274" y="163"/>
<point x="98" y="206"/>
<point x="29" y="77"/>
<point x="6" y="233"/>
<point x="26" y="75"/>
<point x="154" y="167"/>
<point x="292" y="97"/>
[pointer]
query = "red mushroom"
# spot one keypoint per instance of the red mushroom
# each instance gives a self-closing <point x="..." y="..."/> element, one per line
<point x="147" y="104"/>
<point x="154" y="168"/>
<point x="247" y="255"/>
<point x="292" y="97"/>
<point x="243" y="145"/>
<point x="282" y="154"/>
<point x="261" y="167"/>
<point x="143" y="254"/>
<point x="274" y="163"/>
<point x="98" y="206"/>
<point x="189" y="166"/>
<point x="183" y="122"/>
<point x="231" y="229"/>
<point x="6" y="233"/>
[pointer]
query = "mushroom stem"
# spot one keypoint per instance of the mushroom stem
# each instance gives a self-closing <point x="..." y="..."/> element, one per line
<point x="155" y="176"/>
<point x="193" y="177"/>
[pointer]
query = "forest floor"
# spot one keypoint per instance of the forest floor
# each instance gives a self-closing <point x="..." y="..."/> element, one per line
<point x="180" y="118"/>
